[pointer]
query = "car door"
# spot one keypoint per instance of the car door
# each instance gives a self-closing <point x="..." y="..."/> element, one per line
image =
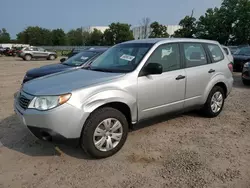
<point x="199" y="72"/>
<point x="163" y="93"/>
<point x="35" y="52"/>
<point x="42" y="52"/>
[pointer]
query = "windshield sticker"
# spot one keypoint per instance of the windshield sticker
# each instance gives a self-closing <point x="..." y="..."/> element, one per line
<point x="84" y="58"/>
<point x="127" y="57"/>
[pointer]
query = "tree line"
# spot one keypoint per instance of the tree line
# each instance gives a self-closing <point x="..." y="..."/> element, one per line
<point x="228" y="24"/>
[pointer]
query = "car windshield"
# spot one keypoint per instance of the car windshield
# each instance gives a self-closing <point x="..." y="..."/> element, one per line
<point x="79" y="59"/>
<point x="243" y="51"/>
<point x="121" y="58"/>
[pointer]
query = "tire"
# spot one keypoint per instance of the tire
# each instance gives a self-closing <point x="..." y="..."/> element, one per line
<point x="208" y="110"/>
<point x="246" y="82"/>
<point x="96" y="120"/>
<point x="52" y="57"/>
<point x="27" y="57"/>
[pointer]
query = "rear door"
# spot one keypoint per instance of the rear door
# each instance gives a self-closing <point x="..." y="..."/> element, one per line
<point x="199" y="72"/>
<point x="42" y="52"/>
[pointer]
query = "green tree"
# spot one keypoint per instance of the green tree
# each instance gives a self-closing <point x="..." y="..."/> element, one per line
<point x="241" y="22"/>
<point x="58" y="37"/>
<point x="188" y="29"/>
<point x="213" y="26"/>
<point x="117" y="33"/>
<point x="35" y="36"/>
<point x="95" y="38"/>
<point x="4" y="36"/>
<point x="77" y="37"/>
<point x="158" y="31"/>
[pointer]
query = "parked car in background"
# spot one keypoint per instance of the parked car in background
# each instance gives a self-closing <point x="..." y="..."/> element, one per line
<point x="32" y="52"/>
<point x="6" y="51"/>
<point x="229" y="53"/>
<point x="81" y="59"/>
<point x="1" y="50"/>
<point x="233" y="49"/>
<point x="246" y="74"/>
<point x="130" y="82"/>
<point x="241" y="56"/>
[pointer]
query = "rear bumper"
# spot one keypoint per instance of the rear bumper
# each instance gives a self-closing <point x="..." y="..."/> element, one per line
<point x="230" y="85"/>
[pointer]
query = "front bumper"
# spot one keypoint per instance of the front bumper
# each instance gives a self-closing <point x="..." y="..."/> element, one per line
<point x="64" y="122"/>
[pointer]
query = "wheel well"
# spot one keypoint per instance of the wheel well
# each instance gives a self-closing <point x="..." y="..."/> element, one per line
<point x="223" y="86"/>
<point x="123" y="108"/>
<point x="27" y="54"/>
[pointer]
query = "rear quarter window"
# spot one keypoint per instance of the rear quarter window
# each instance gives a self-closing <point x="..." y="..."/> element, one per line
<point x="226" y="50"/>
<point x="215" y="52"/>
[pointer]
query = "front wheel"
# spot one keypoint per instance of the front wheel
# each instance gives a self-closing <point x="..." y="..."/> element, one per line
<point x="104" y="133"/>
<point x="215" y="102"/>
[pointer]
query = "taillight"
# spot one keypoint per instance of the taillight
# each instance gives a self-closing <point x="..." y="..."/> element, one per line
<point x="231" y="67"/>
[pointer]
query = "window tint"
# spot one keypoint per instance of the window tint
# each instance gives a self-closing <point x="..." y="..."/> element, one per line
<point x="41" y="49"/>
<point x="34" y="49"/>
<point x="79" y="58"/>
<point x="194" y="55"/>
<point x="217" y="54"/>
<point x="226" y="50"/>
<point x="168" y="55"/>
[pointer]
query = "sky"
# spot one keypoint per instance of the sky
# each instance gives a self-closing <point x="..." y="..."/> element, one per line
<point x="16" y="15"/>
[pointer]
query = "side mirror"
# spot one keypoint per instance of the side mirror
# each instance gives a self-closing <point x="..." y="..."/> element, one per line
<point x="62" y="60"/>
<point x="152" y="68"/>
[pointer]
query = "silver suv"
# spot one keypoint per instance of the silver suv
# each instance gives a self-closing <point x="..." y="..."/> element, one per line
<point x="28" y="53"/>
<point x="130" y="82"/>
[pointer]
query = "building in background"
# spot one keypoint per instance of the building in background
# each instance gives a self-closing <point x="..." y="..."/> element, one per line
<point x="139" y="32"/>
<point x="91" y="28"/>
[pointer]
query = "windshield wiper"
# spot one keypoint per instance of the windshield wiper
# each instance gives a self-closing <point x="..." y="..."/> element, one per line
<point x="100" y="69"/>
<point x="71" y="65"/>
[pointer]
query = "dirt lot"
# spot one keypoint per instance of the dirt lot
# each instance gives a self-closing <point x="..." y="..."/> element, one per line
<point x="182" y="151"/>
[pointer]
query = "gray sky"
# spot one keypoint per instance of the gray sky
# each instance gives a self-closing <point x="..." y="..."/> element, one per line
<point x="18" y="14"/>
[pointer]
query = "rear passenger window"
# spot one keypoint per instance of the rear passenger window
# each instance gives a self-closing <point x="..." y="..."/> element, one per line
<point x="216" y="53"/>
<point x="194" y="55"/>
<point x="226" y="50"/>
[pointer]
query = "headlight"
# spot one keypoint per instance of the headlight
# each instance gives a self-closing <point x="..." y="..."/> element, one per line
<point x="48" y="102"/>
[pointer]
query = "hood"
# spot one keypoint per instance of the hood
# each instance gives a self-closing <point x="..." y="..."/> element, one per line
<point x="65" y="82"/>
<point x="47" y="69"/>
<point x="241" y="57"/>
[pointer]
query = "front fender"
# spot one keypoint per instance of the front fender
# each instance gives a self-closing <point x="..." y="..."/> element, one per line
<point x="109" y="96"/>
<point x="218" y="78"/>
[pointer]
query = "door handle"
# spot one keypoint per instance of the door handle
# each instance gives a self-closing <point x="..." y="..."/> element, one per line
<point x="211" y="71"/>
<point x="180" y="77"/>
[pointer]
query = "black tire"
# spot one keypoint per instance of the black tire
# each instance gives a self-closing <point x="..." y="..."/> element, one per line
<point x="92" y="122"/>
<point x="207" y="109"/>
<point x="52" y="57"/>
<point x="246" y="82"/>
<point x="27" y="57"/>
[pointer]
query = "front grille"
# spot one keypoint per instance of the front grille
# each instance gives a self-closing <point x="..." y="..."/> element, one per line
<point x="23" y="101"/>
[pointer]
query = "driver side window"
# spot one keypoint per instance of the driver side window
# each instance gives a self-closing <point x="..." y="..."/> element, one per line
<point x="168" y="55"/>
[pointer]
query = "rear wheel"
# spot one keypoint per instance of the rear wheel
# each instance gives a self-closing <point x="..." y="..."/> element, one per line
<point x="215" y="102"/>
<point x="104" y="133"/>
<point x="52" y="57"/>
<point x="27" y="57"/>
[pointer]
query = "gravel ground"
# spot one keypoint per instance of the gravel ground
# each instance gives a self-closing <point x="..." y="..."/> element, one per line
<point x="179" y="151"/>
